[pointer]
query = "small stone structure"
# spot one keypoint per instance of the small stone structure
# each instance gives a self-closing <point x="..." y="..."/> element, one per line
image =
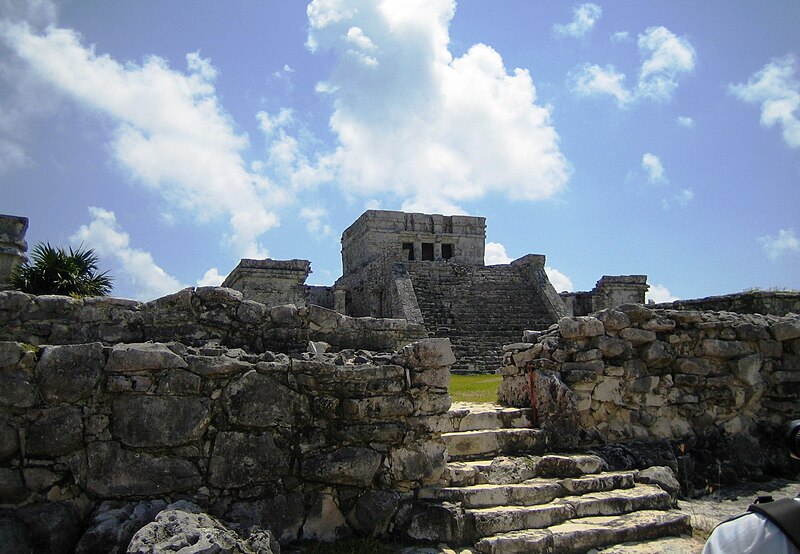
<point x="717" y="383"/>
<point x="12" y="246"/>
<point x="610" y="291"/>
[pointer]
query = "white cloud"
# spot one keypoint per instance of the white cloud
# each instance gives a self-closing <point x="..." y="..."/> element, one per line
<point x="659" y="294"/>
<point x="620" y="36"/>
<point x="560" y="282"/>
<point x="685" y="121"/>
<point x="495" y="254"/>
<point x="668" y="57"/>
<point x="777" y="88"/>
<point x="590" y="80"/>
<point x="653" y="168"/>
<point x="315" y="221"/>
<point x="785" y="243"/>
<point x="211" y="278"/>
<point x="420" y="126"/>
<point x="684" y="196"/>
<point x="108" y="240"/>
<point x="665" y="57"/>
<point x="171" y="133"/>
<point x="584" y="17"/>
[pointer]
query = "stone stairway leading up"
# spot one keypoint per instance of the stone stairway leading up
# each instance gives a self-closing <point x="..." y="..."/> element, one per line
<point x="503" y="494"/>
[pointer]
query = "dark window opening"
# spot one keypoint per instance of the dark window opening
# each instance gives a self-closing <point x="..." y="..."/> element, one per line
<point x="447" y="251"/>
<point x="408" y="249"/>
<point x="427" y="251"/>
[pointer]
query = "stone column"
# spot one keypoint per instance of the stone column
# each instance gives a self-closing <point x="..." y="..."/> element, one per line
<point x="12" y="246"/>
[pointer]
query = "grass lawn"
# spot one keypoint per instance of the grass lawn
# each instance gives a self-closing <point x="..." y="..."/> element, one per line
<point x="474" y="388"/>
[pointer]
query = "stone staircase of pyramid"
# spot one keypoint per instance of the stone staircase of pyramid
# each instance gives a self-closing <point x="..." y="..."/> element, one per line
<point x="501" y="493"/>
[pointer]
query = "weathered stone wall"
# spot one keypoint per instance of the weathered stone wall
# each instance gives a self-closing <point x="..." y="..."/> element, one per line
<point x="312" y="446"/>
<point x="610" y="291"/>
<point x="754" y="302"/>
<point x="193" y="317"/>
<point x="637" y="373"/>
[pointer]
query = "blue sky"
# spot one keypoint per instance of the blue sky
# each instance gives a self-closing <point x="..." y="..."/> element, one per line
<point x="620" y="137"/>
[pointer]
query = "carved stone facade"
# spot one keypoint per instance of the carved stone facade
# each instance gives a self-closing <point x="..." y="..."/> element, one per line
<point x="609" y="292"/>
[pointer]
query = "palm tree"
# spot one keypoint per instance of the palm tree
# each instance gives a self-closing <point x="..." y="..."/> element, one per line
<point x="57" y="271"/>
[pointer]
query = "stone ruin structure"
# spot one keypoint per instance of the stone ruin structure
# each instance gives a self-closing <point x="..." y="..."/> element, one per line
<point x="430" y="269"/>
<point x="12" y="246"/>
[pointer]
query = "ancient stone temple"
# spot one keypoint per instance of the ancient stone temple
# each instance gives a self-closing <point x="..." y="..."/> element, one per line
<point x="429" y="269"/>
<point x="12" y="246"/>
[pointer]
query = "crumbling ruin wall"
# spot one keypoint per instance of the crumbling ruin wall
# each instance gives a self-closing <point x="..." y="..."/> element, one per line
<point x="752" y="302"/>
<point x="719" y="382"/>
<point x="193" y="317"/>
<point x="310" y="446"/>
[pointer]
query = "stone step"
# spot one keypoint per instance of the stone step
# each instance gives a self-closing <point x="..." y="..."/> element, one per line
<point x="582" y="534"/>
<point x="466" y="416"/>
<point x="504" y="519"/>
<point x="464" y="445"/>
<point x="515" y="469"/>
<point x="527" y="493"/>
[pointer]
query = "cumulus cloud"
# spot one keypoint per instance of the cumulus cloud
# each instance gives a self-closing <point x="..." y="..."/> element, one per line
<point x="211" y="278"/>
<point x="560" y="282"/>
<point x="659" y="294"/>
<point x="104" y="235"/>
<point x="584" y="17"/>
<point x="495" y="254"/>
<point x="315" y="221"/>
<point x="620" y="36"/>
<point x="417" y="125"/>
<point x="665" y="57"/>
<point x="685" y="121"/>
<point x="590" y="80"/>
<point x="171" y="134"/>
<point x="786" y="242"/>
<point x="653" y="168"/>
<point x="777" y="88"/>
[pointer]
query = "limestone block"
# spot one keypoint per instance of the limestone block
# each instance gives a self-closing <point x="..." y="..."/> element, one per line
<point x="242" y="459"/>
<point x="694" y="366"/>
<point x="257" y="400"/>
<point x="325" y="521"/>
<point x="786" y="330"/>
<point x="12" y="489"/>
<point x="57" y="431"/>
<point x="636" y="312"/>
<point x="320" y="318"/>
<point x="661" y="429"/>
<point x="16" y="389"/>
<point x="588" y="355"/>
<point x="771" y="348"/>
<point x="9" y="441"/>
<point x="659" y="325"/>
<point x="657" y="354"/>
<point x="114" y="523"/>
<point x="53" y="527"/>
<point x="580" y="327"/>
<point x="378" y="408"/>
<point x="726" y="348"/>
<point x="179" y="382"/>
<point x="425" y="354"/>
<point x="10" y="354"/>
<point x="613" y="320"/>
<point x="183" y="527"/>
<point x="514" y="390"/>
<point x="637" y="337"/>
<point x="69" y="373"/>
<point x="351" y="466"/>
<point x="159" y="420"/>
<point x="136" y="357"/>
<point x="216" y="366"/>
<point x="525" y="356"/>
<point x="612" y="347"/>
<point x="661" y="476"/>
<point x="644" y="384"/>
<point x="114" y="472"/>
<point x="423" y="462"/>
<point x="608" y="390"/>
<point x="285" y="316"/>
<point x="751" y="331"/>
<point x="250" y="311"/>
<point x="748" y="369"/>
<point x="218" y="295"/>
<point x="282" y="514"/>
<point x="374" y="511"/>
<point x="436" y="378"/>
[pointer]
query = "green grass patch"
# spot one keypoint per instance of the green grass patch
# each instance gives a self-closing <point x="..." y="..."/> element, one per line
<point x="474" y="388"/>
